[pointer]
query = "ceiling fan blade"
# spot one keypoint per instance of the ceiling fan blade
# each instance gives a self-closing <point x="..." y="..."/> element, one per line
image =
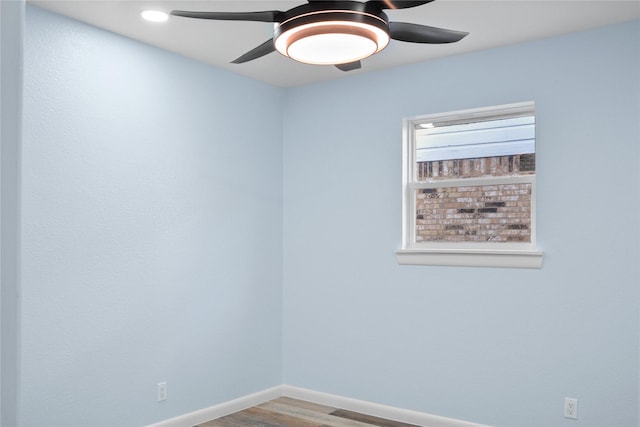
<point x="257" y="52"/>
<point x="416" y="33"/>
<point x="264" y="16"/>
<point x="398" y="4"/>
<point x="350" y="66"/>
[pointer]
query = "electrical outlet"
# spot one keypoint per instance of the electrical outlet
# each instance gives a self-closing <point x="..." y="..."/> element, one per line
<point x="162" y="391"/>
<point x="571" y="408"/>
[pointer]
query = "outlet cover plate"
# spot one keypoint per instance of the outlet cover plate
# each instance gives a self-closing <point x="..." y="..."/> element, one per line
<point x="571" y="408"/>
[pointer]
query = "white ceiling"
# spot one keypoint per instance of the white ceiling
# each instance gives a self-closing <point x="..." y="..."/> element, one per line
<point x="490" y="23"/>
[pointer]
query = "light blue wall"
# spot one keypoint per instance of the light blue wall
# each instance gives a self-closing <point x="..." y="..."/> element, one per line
<point x="11" y="48"/>
<point x="152" y="230"/>
<point x="495" y="346"/>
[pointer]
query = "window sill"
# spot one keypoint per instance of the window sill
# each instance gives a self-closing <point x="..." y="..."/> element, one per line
<point x="471" y="258"/>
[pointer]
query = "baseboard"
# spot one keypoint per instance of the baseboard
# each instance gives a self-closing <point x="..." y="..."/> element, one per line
<point x="221" y="410"/>
<point x="362" y="406"/>
<point x="375" y="409"/>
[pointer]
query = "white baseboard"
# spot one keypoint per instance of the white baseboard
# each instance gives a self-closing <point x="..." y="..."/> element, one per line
<point x="341" y="402"/>
<point x="375" y="409"/>
<point x="207" y="414"/>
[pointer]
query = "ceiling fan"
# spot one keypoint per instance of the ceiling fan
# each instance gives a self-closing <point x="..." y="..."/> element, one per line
<point x="339" y="33"/>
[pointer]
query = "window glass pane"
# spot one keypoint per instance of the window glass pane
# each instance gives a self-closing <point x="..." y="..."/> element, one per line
<point x="498" y="147"/>
<point x="474" y="213"/>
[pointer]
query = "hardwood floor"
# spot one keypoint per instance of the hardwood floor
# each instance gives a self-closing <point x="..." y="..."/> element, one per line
<point x="288" y="412"/>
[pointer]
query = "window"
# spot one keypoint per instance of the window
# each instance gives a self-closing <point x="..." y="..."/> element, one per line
<point x="469" y="188"/>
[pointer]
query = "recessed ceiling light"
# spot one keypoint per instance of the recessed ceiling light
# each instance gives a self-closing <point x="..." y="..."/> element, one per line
<point x="154" y="15"/>
<point x="427" y="125"/>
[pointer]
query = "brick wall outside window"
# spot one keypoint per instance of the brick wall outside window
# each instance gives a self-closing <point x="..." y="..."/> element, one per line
<point x="475" y="213"/>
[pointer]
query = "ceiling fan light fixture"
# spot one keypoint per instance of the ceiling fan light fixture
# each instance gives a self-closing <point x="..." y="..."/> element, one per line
<point x="332" y="37"/>
<point x="331" y="42"/>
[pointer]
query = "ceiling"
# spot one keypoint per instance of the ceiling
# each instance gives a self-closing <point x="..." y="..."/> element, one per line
<point x="490" y="23"/>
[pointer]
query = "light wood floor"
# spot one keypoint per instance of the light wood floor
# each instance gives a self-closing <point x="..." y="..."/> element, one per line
<point x="287" y="412"/>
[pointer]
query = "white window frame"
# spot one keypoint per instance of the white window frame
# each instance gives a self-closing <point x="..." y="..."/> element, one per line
<point x="470" y="254"/>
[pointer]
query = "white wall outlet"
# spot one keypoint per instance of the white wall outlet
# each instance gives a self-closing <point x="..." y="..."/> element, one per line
<point x="162" y="391"/>
<point x="571" y="408"/>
